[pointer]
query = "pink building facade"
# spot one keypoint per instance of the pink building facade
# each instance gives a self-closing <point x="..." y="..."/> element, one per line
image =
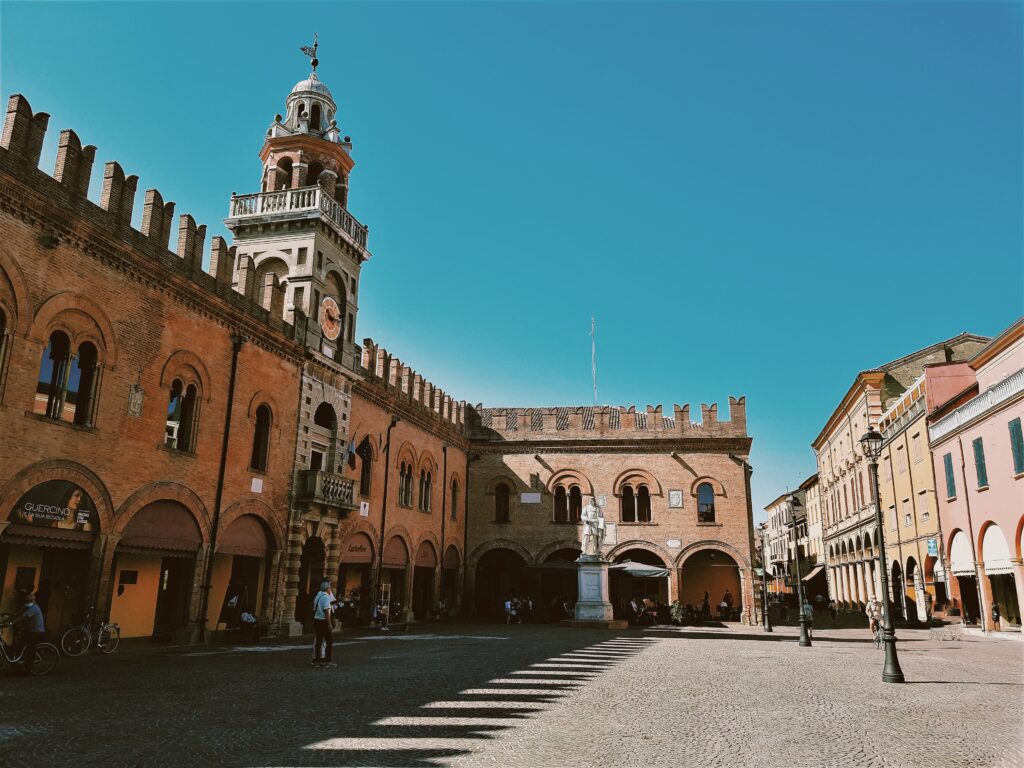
<point x="977" y="452"/>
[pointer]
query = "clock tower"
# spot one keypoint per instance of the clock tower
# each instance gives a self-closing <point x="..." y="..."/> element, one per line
<point x="297" y="234"/>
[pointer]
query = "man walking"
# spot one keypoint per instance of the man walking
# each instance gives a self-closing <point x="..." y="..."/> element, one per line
<point x="323" y="626"/>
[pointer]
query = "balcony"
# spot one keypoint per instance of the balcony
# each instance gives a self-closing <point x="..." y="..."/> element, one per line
<point x="327" y="488"/>
<point x="980" y="406"/>
<point x="305" y="202"/>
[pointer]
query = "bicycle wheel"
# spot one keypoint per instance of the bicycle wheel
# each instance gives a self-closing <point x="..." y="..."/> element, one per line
<point x="76" y="641"/>
<point x="47" y="657"/>
<point x="109" y="637"/>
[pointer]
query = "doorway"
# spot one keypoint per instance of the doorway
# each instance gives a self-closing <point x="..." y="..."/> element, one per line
<point x="172" y="598"/>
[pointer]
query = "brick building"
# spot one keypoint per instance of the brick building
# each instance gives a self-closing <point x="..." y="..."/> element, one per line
<point x="175" y="437"/>
<point x="147" y="430"/>
<point x="675" y="493"/>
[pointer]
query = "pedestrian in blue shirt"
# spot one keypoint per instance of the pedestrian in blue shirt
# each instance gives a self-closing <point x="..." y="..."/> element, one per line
<point x="33" y="631"/>
<point x="323" y="626"/>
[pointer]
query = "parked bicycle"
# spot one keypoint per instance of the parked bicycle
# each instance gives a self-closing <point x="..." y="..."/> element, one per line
<point x="77" y="640"/>
<point x="47" y="654"/>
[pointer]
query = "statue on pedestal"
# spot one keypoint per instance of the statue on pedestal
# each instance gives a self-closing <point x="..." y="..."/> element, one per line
<point x="592" y="518"/>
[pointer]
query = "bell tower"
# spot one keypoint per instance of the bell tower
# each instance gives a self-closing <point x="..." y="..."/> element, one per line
<point x="297" y="232"/>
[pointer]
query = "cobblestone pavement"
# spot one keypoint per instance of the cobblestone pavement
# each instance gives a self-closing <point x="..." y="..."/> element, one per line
<point x="490" y="695"/>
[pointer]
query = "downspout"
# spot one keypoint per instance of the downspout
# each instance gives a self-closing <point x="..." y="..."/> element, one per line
<point x="899" y="537"/>
<point x="384" y="508"/>
<point x="465" y="540"/>
<point x="237" y="340"/>
<point x="444" y="501"/>
<point x="970" y="528"/>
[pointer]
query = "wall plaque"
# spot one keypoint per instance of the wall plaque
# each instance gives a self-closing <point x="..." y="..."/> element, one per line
<point x="675" y="499"/>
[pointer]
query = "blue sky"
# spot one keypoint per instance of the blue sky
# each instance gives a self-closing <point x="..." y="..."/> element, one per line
<point x="754" y="199"/>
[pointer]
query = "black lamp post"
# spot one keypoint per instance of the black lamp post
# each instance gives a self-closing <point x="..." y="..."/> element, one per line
<point x="766" y="622"/>
<point x="794" y="518"/>
<point x="871" y="443"/>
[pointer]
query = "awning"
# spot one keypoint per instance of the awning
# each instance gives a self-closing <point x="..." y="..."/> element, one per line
<point x="639" y="570"/>
<point x="165" y="526"/>
<point x="357" y="550"/>
<point x="245" y="536"/>
<point x="814" y="572"/>
<point x="37" y="536"/>
<point x="395" y="554"/>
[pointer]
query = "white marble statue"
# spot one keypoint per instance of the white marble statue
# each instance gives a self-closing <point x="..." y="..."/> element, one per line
<point x="592" y="518"/>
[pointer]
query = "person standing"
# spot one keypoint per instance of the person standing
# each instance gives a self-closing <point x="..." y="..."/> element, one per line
<point x="323" y="626"/>
<point x="808" y="611"/>
<point x="33" y="632"/>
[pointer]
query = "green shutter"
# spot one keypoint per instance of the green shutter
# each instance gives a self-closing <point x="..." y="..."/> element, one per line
<point x="979" y="462"/>
<point x="1017" y="444"/>
<point x="947" y="461"/>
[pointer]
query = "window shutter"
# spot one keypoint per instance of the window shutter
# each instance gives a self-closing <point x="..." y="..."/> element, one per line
<point x="979" y="462"/>
<point x="1017" y="445"/>
<point x="947" y="461"/>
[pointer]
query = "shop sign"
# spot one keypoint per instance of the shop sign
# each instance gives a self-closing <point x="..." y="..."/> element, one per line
<point x="56" y="504"/>
<point x="933" y="547"/>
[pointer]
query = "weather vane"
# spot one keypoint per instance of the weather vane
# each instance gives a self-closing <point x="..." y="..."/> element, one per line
<point x="310" y="50"/>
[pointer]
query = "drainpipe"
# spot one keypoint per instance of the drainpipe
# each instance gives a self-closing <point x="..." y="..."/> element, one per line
<point x="970" y="528"/>
<point x="444" y="500"/>
<point x="384" y="507"/>
<point x="465" y="539"/>
<point x="899" y="536"/>
<point x="237" y="340"/>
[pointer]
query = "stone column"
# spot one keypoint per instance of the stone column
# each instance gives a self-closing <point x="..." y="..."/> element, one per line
<point x="191" y="633"/>
<point x="1018" y="583"/>
<point x="986" y="598"/>
<point x="862" y="580"/>
<point x="293" y="552"/>
<point x="847" y="587"/>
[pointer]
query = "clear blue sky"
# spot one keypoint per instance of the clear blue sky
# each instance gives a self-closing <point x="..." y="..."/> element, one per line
<point x="755" y="199"/>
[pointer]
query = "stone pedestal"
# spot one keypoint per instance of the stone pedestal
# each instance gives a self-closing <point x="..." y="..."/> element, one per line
<point x="593" y="603"/>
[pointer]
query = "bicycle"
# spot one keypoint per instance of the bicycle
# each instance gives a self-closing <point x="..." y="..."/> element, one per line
<point x="78" y="639"/>
<point x="47" y="654"/>
<point x="877" y="634"/>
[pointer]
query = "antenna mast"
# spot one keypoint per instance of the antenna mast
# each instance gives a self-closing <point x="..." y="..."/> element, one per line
<point x="593" y="354"/>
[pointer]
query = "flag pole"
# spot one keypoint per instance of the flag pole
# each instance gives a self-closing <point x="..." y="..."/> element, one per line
<point x="593" y="354"/>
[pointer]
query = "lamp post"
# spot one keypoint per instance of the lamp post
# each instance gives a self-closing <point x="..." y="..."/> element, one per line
<point x="792" y="504"/>
<point x="766" y="622"/>
<point x="871" y="443"/>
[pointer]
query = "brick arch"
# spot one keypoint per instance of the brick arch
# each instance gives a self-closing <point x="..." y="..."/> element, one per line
<point x="20" y="302"/>
<point x="259" y="509"/>
<point x="368" y="436"/>
<point x="647" y="546"/>
<point x="263" y="396"/>
<point x="568" y="477"/>
<point x="183" y="358"/>
<point x="406" y="452"/>
<point x="76" y="304"/>
<point x="403" y="533"/>
<point x="635" y="477"/>
<point x="59" y="469"/>
<point x="547" y="551"/>
<point x="163" y="491"/>
<point x="1018" y="541"/>
<point x="428" y="462"/>
<point x="510" y="480"/>
<point x="428" y="536"/>
<point x="487" y="546"/>
<point x="721" y="546"/>
<point x="716" y="485"/>
<point x="365" y="527"/>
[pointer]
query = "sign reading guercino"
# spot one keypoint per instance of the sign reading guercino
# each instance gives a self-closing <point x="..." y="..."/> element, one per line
<point x="56" y="504"/>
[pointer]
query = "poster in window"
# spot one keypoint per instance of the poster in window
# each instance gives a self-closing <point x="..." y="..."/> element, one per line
<point x="56" y="504"/>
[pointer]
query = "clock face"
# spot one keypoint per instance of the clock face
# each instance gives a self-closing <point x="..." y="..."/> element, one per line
<point x="330" y="318"/>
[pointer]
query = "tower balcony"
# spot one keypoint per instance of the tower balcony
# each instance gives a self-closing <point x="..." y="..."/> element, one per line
<point x="302" y="203"/>
<point x="329" y="489"/>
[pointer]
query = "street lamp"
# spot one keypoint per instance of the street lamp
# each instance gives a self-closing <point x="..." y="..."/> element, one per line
<point x="871" y="443"/>
<point x="793" y="518"/>
<point x="766" y="622"/>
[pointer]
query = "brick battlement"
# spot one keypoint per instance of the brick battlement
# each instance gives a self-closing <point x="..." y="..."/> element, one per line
<point x="388" y="372"/>
<point x="20" y="150"/>
<point x="583" y="422"/>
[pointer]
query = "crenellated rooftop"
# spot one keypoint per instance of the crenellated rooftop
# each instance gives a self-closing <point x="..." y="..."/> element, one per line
<point x="20" y="150"/>
<point x="581" y="422"/>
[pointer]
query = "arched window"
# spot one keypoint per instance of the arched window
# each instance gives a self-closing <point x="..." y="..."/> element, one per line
<point x="182" y="409"/>
<point x="366" y="468"/>
<point x="561" y="505"/>
<point x="405" y="485"/>
<point x="455" y="497"/>
<point x="68" y="383"/>
<point x="322" y="438"/>
<point x="501" y="503"/>
<point x="627" y="505"/>
<point x="428" y="491"/>
<point x="575" y="504"/>
<point x="4" y="332"/>
<point x="705" y="503"/>
<point x="424" y="503"/>
<point x="54" y="372"/>
<point x="314" y="118"/>
<point x="283" y="179"/>
<point x="261" y="439"/>
<point x="643" y="504"/>
<point x="423" y="480"/>
<point x="313" y="172"/>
